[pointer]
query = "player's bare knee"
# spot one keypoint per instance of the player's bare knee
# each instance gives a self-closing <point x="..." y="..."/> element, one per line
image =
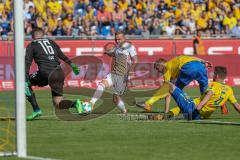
<point x="116" y="99"/>
<point x="101" y="85"/>
<point x="104" y="83"/>
<point x="56" y="100"/>
<point x="172" y="87"/>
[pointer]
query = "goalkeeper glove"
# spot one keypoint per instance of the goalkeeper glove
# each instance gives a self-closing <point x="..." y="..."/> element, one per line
<point x="27" y="89"/>
<point x="75" y="68"/>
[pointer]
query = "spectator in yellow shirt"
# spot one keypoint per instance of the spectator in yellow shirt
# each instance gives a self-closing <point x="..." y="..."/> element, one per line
<point x="52" y="22"/>
<point x="8" y="5"/>
<point x="230" y="21"/>
<point x="236" y="11"/>
<point x="196" y="11"/>
<point x="141" y="5"/>
<point x="40" y="6"/>
<point x="151" y="5"/>
<point x="202" y="21"/>
<point x="169" y="14"/>
<point x="123" y="4"/>
<point x="138" y="19"/>
<point x="90" y="13"/>
<point x="55" y="7"/>
<point x="67" y="22"/>
<point x="179" y="13"/>
<point x="187" y="5"/>
<point x="68" y="6"/>
<point x="1" y="8"/>
<point x="109" y="5"/>
<point x="212" y="14"/>
<point x="211" y="4"/>
<point x="226" y="6"/>
<point x="168" y="2"/>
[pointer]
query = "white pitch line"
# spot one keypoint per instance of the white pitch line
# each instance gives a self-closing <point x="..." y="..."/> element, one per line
<point x="37" y="158"/>
<point x="7" y="154"/>
<point x="215" y="122"/>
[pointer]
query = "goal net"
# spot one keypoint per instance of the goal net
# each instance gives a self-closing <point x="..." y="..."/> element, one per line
<point x="7" y="124"/>
<point x="13" y="126"/>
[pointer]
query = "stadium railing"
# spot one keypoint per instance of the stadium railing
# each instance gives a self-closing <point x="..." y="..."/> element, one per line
<point x="99" y="37"/>
<point x="145" y="37"/>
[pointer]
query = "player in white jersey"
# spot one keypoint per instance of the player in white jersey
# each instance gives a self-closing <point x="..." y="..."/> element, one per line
<point x="124" y="57"/>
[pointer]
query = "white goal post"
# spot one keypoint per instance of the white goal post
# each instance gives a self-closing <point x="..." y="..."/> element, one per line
<point x="20" y="78"/>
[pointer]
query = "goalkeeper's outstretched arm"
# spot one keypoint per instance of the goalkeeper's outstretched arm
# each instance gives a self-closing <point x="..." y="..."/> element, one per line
<point x="28" y="60"/>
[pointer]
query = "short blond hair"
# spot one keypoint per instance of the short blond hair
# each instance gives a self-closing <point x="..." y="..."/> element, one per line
<point x="159" y="61"/>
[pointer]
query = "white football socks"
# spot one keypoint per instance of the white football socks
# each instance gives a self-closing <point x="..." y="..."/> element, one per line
<point x="98" y="93"/>
<point x="121" y="106"/>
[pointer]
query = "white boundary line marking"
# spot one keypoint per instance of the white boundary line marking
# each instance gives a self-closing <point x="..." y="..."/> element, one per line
<point x="14" y="154"/>
<point x="8" y="154"/>
<point x="215" y="122"/>
<point x="37" y="158"/>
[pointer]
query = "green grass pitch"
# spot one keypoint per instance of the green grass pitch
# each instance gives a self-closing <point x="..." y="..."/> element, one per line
<point x="110" y="137"/>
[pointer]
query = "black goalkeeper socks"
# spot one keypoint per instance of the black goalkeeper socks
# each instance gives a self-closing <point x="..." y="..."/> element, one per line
<point x="65" y="104"/>
<point x="33" y="101"/>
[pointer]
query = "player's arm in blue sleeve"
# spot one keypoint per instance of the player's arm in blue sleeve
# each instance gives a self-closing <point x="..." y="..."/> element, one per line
<point x="28" y="60"/>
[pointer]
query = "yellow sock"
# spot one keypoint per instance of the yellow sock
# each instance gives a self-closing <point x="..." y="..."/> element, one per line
<point x="161" y="93"/>
<point x="176" y="110"/>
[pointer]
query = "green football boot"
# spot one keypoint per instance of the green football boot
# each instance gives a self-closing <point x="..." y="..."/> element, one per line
<point x="78" y="106"/>
<point x="34" y="115"/>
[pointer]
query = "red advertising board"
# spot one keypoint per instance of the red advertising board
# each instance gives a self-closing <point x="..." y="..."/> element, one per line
<point x="229" y="61"/>
<point x="144" y="47"/>
<point x="224" y="52"/>
<point x="212" y="47"/>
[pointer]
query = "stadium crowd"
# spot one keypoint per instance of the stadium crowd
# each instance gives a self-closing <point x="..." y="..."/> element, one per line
<point x="135" y="17"/>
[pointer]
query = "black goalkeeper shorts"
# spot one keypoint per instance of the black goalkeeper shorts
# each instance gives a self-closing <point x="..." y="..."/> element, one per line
<point x="55" y="80"/>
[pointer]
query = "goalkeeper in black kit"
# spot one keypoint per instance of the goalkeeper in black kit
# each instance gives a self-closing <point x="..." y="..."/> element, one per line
<point x="46" y="54"/>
